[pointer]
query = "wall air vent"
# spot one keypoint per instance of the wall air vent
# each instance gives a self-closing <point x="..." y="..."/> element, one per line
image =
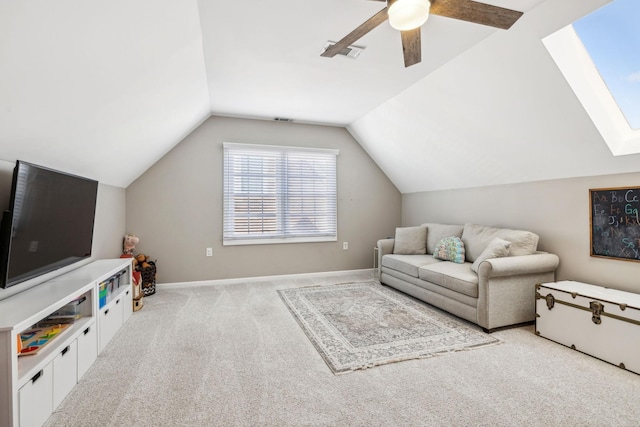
<point x="350" y="52"/>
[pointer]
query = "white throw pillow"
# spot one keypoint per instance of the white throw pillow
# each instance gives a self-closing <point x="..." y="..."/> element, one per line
<point x="497" y="248"/>
<point x="410" y="240"/>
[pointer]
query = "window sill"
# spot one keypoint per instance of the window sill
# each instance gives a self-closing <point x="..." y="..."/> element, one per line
<point x="243" y="242"/>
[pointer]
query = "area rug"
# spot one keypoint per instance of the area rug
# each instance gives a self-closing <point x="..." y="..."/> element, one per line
<point x="361" y="325"/>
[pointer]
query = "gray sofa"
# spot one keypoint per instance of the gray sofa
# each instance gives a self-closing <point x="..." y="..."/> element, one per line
<point x="492" y="283"/>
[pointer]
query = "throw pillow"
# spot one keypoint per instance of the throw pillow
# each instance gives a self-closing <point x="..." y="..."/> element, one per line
<point x="437" y="232"/>
<point x="497" y="248"/>
<point x="476" y="238"/>
<point x="410" y="240"/>
<point x="450" y="249"/>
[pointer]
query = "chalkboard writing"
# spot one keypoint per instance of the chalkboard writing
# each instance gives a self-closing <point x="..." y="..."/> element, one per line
<point x="615" y="223"/>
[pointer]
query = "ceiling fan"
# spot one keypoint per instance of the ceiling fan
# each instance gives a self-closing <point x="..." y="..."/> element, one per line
<point x="407" y="16"/>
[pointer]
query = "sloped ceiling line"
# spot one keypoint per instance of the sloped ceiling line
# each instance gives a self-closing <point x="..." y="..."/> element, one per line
<point x="104" y="90"/>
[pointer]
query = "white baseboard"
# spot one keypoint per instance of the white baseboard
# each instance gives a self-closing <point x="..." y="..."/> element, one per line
<point x="262" y="278"/>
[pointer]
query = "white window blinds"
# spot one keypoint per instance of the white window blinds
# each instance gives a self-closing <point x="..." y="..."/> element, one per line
<point x="278" y="194"/>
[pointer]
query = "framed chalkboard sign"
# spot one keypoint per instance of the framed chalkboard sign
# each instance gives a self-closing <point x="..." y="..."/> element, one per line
<point x="615" y="223"/>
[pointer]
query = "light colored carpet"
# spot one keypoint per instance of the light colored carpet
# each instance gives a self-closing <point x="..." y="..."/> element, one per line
<point x="361" y="325"/>
<point x="232" y="355"/>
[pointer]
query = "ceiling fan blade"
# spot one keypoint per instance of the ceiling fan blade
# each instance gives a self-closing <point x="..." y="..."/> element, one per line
<point x="411" y="47"/>
<point x="356" y="34"/>
<point x="473" y="11"/>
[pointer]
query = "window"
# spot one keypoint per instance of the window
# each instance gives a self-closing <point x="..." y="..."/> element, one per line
<point x="278" y="194"/>
<point x="585" y="53"/>
<point x="611" y="36"/>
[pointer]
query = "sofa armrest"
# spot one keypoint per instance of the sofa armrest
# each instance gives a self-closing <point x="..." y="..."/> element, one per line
<point x="385" y="246"/>
<point x="517" y="265"/>
<point x="506" y="288"/>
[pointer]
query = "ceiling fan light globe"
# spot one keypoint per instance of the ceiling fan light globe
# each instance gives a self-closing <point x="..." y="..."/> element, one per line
<point x="408" y="14"/>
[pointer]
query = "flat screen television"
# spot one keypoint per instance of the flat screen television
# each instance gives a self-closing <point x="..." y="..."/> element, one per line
<point x="49" y="224"/>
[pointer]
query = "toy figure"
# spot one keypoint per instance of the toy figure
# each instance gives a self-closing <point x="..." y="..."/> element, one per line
<point x="129" y="244"/>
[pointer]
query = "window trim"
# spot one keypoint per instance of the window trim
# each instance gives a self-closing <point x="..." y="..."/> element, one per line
<point x="239" y="241"/>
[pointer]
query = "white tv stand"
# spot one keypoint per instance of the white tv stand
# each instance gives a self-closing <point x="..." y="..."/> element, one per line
<point x="32" y="386"/>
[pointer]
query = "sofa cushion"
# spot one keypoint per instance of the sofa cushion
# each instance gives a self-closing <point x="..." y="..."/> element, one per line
<point x="408" y="264"/>
<point x="457" y="277"/>
<point x="450" y="249"/>
<point x="436" y="232"/>
<point x="497" y="248"/>
<point x="476" y="238"/>
<point x="410" y="240"/>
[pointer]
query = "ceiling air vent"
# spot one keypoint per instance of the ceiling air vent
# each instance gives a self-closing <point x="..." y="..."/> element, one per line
<point x="350" y="52"/>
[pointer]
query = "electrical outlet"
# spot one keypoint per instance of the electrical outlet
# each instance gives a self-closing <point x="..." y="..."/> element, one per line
<point x="209" y="251"/>
<point x="345" y="246"/>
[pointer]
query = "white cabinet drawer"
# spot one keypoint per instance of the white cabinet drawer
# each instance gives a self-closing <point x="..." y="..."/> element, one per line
<point x="36" y="398"/>
<point x="110" y="321"/>
<point x="65" y="372"/>
<point x="128" y="304"/>
<point x="87" y="349"/>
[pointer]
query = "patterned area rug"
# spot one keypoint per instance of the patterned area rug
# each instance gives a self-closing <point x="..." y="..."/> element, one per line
<point x="360" y="325"/>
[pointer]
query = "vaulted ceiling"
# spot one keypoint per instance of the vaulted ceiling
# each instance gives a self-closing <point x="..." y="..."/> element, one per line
<point x="105" y="89"/>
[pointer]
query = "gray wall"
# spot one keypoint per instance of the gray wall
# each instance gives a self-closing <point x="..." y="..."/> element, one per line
<point x="108" y="231"/>
<point x="557" y="210"/>
<point x="109" y="227"/>
<point x="175" y="207"/>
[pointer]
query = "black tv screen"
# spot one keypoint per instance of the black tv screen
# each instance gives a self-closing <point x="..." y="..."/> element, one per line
<point x="49" y="224"/>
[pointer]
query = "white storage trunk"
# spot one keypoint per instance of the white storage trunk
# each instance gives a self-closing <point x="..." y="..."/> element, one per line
<point x="601" y="322"/>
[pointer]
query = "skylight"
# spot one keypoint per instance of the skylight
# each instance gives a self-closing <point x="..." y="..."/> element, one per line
<point x="611" y="36"/>
<point x="598" y="57"/>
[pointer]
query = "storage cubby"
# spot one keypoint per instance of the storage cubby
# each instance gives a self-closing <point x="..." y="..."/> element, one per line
<point x="63" y="323"/>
